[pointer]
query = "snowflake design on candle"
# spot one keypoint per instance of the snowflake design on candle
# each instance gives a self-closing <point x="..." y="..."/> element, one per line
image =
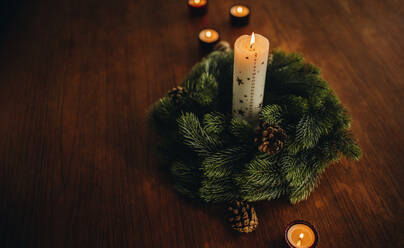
<point x="239" y="81"/>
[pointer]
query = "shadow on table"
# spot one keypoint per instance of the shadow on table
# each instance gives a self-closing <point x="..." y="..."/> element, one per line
<point x="9" y="10"/>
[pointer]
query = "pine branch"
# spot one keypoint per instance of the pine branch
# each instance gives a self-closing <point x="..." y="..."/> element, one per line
<point x="288" y="163"/>
<point x="306" y="176"/>
<point x="265" y="193"/>
<point x="191" y="81"/>
<point x="347" y="145"/>
<point x="214" y="123"/>
<point x="326" y="149"/>
<point x="187" y="178"/>
<point x="186" y="191"/>
<point x="162" y="114"/>
<point x="296" y="107"/>
<point x="205" y="90"/>
<point x="185" y="173"/>
<point x="304" y="188"/>
<point x="307" y="132"/>
<point x="281" y="60"/>
<point x="261" y="171"/>
<point x="261" y="180"/>
<point x="218" y="190"/>
<point x="242" y="131"/>
<point x="295" y="175"/>
<point x="195" y="137"/>
<point x="224" y="162"/>
<point x="310" y="69"/>
<point x="271" y="114"/>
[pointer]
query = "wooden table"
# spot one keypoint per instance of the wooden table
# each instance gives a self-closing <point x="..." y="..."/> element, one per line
<point x="77" y="167"/>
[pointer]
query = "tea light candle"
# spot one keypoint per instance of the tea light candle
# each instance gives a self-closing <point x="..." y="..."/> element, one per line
<point x="250" y="68"/>
<point x="198" y="7"/>
<point x="239" y="14"/>
<point x="301" y="234"/>
<point x="208" y="38"/>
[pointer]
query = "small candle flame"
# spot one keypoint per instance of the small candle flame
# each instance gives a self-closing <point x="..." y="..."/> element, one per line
<point x="299" y="242"/>
<point x="197" y="1"/>
<point x="239" y="9"/>
<point x="252" y="41"/>
<point x="208" y="34"/>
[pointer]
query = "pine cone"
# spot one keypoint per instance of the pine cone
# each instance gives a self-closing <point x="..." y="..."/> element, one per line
<point x="242" y="216"/>
<point x="177" y="93"/>
<point x="270" y="138"/>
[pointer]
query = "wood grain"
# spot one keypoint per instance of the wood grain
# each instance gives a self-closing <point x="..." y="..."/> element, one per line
<point x="76" y="161"/>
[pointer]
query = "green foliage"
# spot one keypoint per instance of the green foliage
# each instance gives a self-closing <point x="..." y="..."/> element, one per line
<point x="307" y="132"/>
<point x="261" y="179"/>
<point x="213" y="156"/>
<point x="221" y="163"/>
<point x="241" y="131"/>
<point x="204" y="91"/>
<point x="196" y="138"/>
<point x="214" y="123"/>
<point x="163" y="113"/>
<point x="272" y="114"/>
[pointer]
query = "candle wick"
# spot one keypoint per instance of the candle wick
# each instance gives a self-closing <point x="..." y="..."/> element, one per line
<point x="252" y="41"/>
<point x="252" y="47"/>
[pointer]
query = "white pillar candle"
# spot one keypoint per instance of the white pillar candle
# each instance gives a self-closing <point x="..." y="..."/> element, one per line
<point x="250" y="67"/>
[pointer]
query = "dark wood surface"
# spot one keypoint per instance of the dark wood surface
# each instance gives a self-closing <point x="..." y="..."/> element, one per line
<point x="76" y="161"/>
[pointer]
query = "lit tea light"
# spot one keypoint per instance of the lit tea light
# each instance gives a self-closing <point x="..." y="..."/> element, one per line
<point x="208" y="37"/>
<point x="198" y="7"/>
<point x="301" y="234"/>
<point x="239" y="14"/>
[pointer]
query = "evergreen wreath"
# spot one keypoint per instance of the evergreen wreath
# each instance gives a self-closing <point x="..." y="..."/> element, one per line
<point x="214" y="157"/>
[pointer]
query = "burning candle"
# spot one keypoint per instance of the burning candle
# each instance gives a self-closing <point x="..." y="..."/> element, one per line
<point x="208" y="38"/>
<point x="198" y="7"/>
<point x="239" y="14"/>
<point x="250" y="67"/>
<point x="301" y="234"/>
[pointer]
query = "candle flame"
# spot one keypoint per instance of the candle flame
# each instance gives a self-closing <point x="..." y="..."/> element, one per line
<point x="208" y="34"/>
<point x="301" y="236"/>
<point x="197" y="1"/>
<point x="239" y="9"/>
<point x="252" y="41"/>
